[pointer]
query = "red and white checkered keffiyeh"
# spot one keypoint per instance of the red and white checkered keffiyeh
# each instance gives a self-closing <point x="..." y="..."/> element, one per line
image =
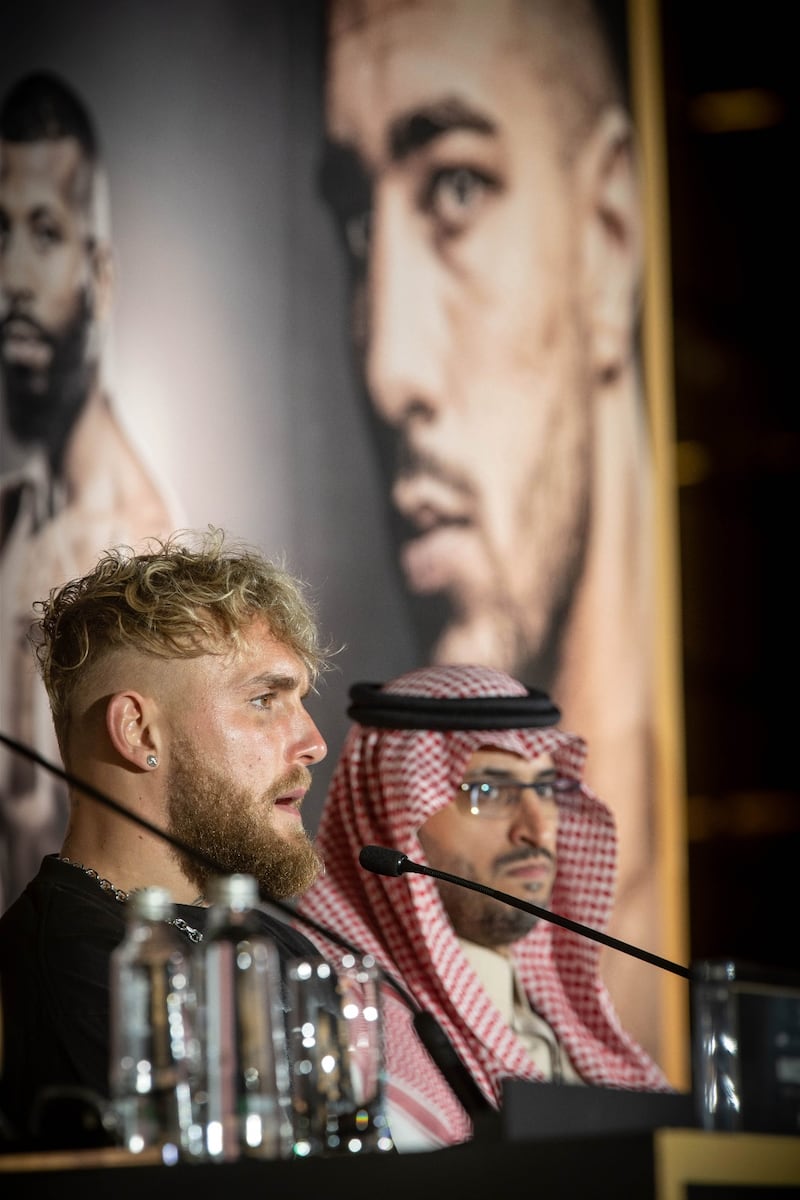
<point x="385" y="786"/>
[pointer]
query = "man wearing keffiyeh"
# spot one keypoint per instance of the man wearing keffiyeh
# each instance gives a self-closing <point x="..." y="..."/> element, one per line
<point x="464" y="769"/>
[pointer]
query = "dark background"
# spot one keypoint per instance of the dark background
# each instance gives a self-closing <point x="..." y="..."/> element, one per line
<point x="730" y="111"/>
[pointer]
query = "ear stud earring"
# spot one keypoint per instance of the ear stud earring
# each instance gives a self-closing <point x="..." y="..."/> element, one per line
<point x="151" y="760"/>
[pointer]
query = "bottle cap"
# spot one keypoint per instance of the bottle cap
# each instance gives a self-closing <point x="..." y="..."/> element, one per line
<point x="238" y="891"/>
<point x="151" y="904"/>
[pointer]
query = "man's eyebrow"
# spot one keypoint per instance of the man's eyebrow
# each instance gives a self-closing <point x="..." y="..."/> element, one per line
<point x="273" y="683"/>
<point x="420" y="126"/>
<point x="344" y="181"/>
<point x="505" y="775"/>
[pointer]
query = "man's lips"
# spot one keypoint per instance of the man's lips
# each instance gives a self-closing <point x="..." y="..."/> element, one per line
<point x="427" y="520"/>
<point x="291" y="801"/>
<point x="533" y="869"/>
<point x="537" y="869"/>
<point x="23" y="343"/>
<point x="425" y="504"/>
<point x="435" y="519"/>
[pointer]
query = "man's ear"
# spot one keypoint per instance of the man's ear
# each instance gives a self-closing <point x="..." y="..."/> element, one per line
<point x="611" y="246"/>
<point x="102" y="268"/>
<point x="131" y="729"/>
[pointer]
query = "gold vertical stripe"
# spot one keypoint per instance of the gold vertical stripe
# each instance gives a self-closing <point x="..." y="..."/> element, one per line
<point x="647" y="90"/>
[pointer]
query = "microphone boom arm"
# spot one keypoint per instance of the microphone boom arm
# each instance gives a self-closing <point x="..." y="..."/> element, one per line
<point x="391" y="862"/>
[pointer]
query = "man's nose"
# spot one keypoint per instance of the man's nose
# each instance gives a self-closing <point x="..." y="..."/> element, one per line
<point x="310" y="746"/>
<point x="17" y="280"/>
<point x="405" y="347"/>
<point x="534" y="822"/>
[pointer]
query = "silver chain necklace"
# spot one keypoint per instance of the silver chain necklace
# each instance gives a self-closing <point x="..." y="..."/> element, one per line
<point x="194" y="935"/>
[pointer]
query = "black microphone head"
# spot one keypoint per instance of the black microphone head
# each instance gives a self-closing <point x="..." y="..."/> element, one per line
<point x="382" y="861"/>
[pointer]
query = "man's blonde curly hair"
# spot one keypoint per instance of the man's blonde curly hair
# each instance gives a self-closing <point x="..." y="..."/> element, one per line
<point x="190" y="594"/>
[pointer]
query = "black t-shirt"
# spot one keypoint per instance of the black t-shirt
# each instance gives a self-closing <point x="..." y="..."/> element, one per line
<point x="55" y="945"/>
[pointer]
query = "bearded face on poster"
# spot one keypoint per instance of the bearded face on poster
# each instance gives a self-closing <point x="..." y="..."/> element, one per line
<point x="76" y="485"/>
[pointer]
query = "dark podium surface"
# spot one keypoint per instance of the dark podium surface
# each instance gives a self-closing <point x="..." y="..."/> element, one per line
<point x="539" y="1110"/>
<point x="668" y="1164"/>
<point x="548" y="1142"/>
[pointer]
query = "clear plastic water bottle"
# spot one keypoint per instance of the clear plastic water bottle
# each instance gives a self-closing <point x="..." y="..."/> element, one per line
<point x="247" y="1072"/>
<point x="155" y="1059"/>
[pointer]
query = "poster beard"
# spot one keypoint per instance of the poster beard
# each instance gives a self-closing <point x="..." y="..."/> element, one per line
<point x="433" y="615"/>
<point x="43" y="403"/>
<point x="233" y="827"/>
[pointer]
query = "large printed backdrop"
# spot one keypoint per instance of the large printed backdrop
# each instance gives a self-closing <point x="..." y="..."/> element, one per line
<point x="228" y="361"/>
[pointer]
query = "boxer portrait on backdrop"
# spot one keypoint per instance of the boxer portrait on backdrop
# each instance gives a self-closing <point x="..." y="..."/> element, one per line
<point x="72" y="482"/>
<point x="481" y="166"/>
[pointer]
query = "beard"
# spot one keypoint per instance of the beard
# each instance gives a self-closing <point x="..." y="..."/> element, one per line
<point x="43" y="403"/>
<point x="233" y="827"/>
<point x="482" y="920"/>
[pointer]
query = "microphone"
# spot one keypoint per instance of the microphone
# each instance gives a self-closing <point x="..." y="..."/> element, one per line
<point x="383" y="861"/>
<point x="430" y="1032"/>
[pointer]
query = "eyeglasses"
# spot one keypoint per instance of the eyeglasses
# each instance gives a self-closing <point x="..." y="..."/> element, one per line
<point x="480" y="798"/>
